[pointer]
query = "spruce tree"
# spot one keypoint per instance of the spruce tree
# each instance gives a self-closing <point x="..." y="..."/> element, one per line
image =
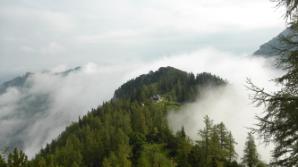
<point x="17" y="158"/>
<point x="205" y="142"/>
<point x="250" y="157"/>
<point x="2" y="162"/>
<point x="231" y="153"/>
<point x="184" y="147"/>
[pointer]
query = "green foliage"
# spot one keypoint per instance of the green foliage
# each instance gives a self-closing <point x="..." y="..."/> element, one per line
<point x="2" y="162"/>
<point x="119" y="158"/>
<point x="215" y="147"/>
<point x="154" y="156"/>
<point x="250" y="157"/>
<point x="132" y="129"/>
<point x="113" y="135"/>
<point x="172" y="84"/>
<point x="70" y="154"/>
<point x="280" y="121"/>
<point x="17" y="159"/>
<point x="184" y="146"/>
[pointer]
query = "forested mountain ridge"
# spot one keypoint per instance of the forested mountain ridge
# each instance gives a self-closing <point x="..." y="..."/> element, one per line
<point x="171" y="83"/>
<point x="132" y="130"/>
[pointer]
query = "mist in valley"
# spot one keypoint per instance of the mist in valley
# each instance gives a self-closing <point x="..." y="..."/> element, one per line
<point x="68" y="97"/>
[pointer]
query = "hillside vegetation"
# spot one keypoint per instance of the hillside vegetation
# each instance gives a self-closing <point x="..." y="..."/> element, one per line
<point x="132" y="130"/>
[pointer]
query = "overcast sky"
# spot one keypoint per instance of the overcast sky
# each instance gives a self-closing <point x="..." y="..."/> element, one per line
<point x="37" y="35"/>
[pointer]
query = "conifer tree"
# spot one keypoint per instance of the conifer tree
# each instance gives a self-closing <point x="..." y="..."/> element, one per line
<point x="231" y="153"/>
<point x="2" y="162"/>
<point x="291" y="8"/>
<point x="280" y="122"/>
<point x="226" y="142"/>
<point x="250" y="157"/>
<point x="206" y="140"/>
<point x="184" y="147"/>
<point x="17" y="158"/>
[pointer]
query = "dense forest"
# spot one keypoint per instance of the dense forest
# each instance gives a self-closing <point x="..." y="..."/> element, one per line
<point x="132" y="130"/>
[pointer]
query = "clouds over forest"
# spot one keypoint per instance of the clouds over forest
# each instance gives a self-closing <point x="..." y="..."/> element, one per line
<point x="39" y="111"/>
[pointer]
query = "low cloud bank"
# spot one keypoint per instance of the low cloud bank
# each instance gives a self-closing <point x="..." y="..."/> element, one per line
<point x="68" y="97"/>
<point x="232" y="104"/>
<point x="227" y="104"/>
<point x="37" y="112"/>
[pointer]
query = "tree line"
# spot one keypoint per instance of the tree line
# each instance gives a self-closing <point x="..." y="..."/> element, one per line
<point x="131" y="130"/>
<point x="214" y="148"/>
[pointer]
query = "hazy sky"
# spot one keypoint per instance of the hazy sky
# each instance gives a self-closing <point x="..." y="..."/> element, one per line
<point x="42" y="34"/>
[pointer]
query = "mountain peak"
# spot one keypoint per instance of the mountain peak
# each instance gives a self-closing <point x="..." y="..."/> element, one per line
<point x="168" y="82"/>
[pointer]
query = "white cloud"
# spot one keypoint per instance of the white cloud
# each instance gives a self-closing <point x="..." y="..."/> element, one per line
<point x="212" y="16"/>
<point x="169" y="17"/>
<point x="231" y="104"/>
<point x="59" y="68"/>
<point x="38" y="112"/>
<point x="226" y="104"/>
<point x="45" y="19"/>
<point x="37" y="35"/>
<point x="71" y="96"/>
<point x="75" y="31"/>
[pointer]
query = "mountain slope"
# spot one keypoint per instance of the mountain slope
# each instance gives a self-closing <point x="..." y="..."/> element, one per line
<point x="132" y="129"/>
<point x="283" y="43"/>
<point x="20" y="81"/>
<point x="21" y="106"/>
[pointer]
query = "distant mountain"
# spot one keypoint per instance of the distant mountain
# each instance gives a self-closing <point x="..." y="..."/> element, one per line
<point x="283" y="43"/>
<point x="19" y="82"/>
<point x="21" y="106"/>
<point x="16" y="82"/>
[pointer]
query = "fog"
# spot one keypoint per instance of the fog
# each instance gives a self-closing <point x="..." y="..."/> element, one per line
<point x="231" y="104"/>
<point x="68" y="97"/>
<point x="225" y="104"/>
<point x="39" y="111"/>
